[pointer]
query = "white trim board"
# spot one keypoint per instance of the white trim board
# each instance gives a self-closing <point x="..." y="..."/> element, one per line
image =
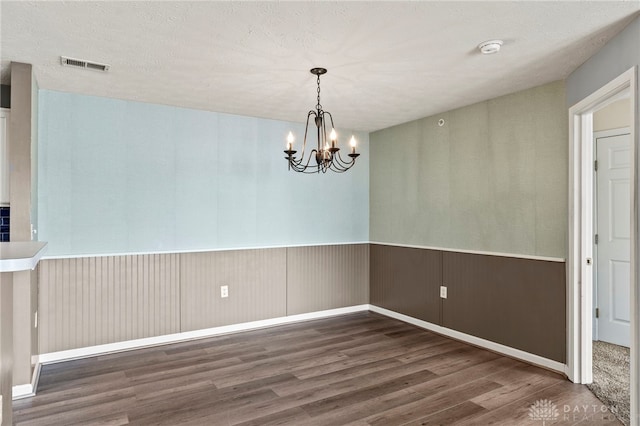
<point x="476" y="341"/>
<point x="127" y="345"/>
<point x="202" y="250"/>
<point x="580" y="233"/>
<point x="20" y="255"/>
<point x="486" y="253"/>
<point x="611" y="132"/>
<point x="22" y="391"/>
<point x="453" y="250"/>
<point x="25" y="391"/>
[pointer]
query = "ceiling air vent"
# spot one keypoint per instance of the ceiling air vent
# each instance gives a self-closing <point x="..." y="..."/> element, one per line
<point x="81" y="63"/>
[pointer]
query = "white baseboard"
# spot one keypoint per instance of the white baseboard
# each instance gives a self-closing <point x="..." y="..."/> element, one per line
<point x="477" y="341"/>
<point x="60" y="356"/>
<point x="22" y="391"/>
<point x="25" y="391"/>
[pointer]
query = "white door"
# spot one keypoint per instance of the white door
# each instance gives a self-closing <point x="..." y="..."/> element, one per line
<point x="614" y="229"/>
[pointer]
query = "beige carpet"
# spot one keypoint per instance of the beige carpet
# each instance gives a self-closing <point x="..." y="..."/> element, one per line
<point x="611" y="378"/>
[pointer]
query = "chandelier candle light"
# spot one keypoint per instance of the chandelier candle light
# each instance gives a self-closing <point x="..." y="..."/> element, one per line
<point x="327" y="154"/>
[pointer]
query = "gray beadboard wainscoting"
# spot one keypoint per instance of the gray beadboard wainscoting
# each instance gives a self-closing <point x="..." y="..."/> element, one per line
<point x="88" y="301"/>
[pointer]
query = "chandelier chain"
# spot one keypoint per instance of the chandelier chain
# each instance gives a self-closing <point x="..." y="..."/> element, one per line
<point x="318" y="106"/>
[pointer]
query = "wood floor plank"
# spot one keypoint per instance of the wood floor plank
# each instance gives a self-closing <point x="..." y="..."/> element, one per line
<point x="292" y="416"/>
<point x="317" y="393"/>
<point x="327" y="405"/>
<point x="465" y="376"/>
<point x="210" y="369"/>
<point x="193" y="406"/>
<point x="385" y="342"/>
<point x="77" y="388"/>
<point x="76" y="413"/>
<point x="259" y="370"/>
<point x="459" y="359"/>
<point x="517" y="383"/>
<point x="116" y="419"/>
<point x="332" y="377"/>
<point x="343" y="387"/>
<point x="433" y="347"/>
<point x="57" y="373"/>
<point x="359" y="411"/>
<point x="432" y="404"/>
<point x="450" y="415"/>
<point x="360" y="369"/>
<point x="172" y="389"/>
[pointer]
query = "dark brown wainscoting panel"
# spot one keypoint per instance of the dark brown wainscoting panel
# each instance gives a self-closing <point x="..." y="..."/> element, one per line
<point x="516" y="302"/>
<point x="407" y="280"/>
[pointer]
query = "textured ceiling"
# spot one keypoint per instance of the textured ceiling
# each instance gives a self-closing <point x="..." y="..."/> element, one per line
<point x="389" y="62"/>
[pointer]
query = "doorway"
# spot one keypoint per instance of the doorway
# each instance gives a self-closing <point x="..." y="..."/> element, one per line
<point x="612" y="275"/>
<point x="580" y="262"/>
<point x="612" y="258"/>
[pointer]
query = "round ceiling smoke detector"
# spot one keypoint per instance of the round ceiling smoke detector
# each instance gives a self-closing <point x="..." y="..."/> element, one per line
<point x="491" y="46"/>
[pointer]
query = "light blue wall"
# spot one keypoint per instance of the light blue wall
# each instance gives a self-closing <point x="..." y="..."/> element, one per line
<point x="124" y="177"/>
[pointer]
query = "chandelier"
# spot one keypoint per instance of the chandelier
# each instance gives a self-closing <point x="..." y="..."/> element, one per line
<point x="326" y="154"/>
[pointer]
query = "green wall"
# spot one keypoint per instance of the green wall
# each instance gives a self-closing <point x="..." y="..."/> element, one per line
<point x="492" y="178"/>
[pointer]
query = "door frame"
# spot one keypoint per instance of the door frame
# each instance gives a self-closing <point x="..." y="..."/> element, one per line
<point x="600" y="134"/>
<point x="580" y="232"/>
<point x="4" y="156"/>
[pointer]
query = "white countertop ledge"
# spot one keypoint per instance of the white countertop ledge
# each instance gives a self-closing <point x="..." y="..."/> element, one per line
<point x="20" y="255"/>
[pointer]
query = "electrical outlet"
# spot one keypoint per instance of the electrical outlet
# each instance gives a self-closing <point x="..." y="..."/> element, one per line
<point x="224" y="291"/>
<point x="443" y="292"/>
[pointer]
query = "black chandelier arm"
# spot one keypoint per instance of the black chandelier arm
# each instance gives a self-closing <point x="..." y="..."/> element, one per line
<point x="336" y="164"/>
<point x="342" y="162"/>
<point x="311" y="170"/>
<point x="340" y="169"/>
<point x="326" y="140"/>
<point x="324" y="127"/>
<point x="306" y="129"/>
<point x="298" y="165"/>
<point x="299" y="169"/>
<point x="330" y="118"/>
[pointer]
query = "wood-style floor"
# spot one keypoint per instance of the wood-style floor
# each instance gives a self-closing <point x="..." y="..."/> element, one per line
<point x="361" y="369"/>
